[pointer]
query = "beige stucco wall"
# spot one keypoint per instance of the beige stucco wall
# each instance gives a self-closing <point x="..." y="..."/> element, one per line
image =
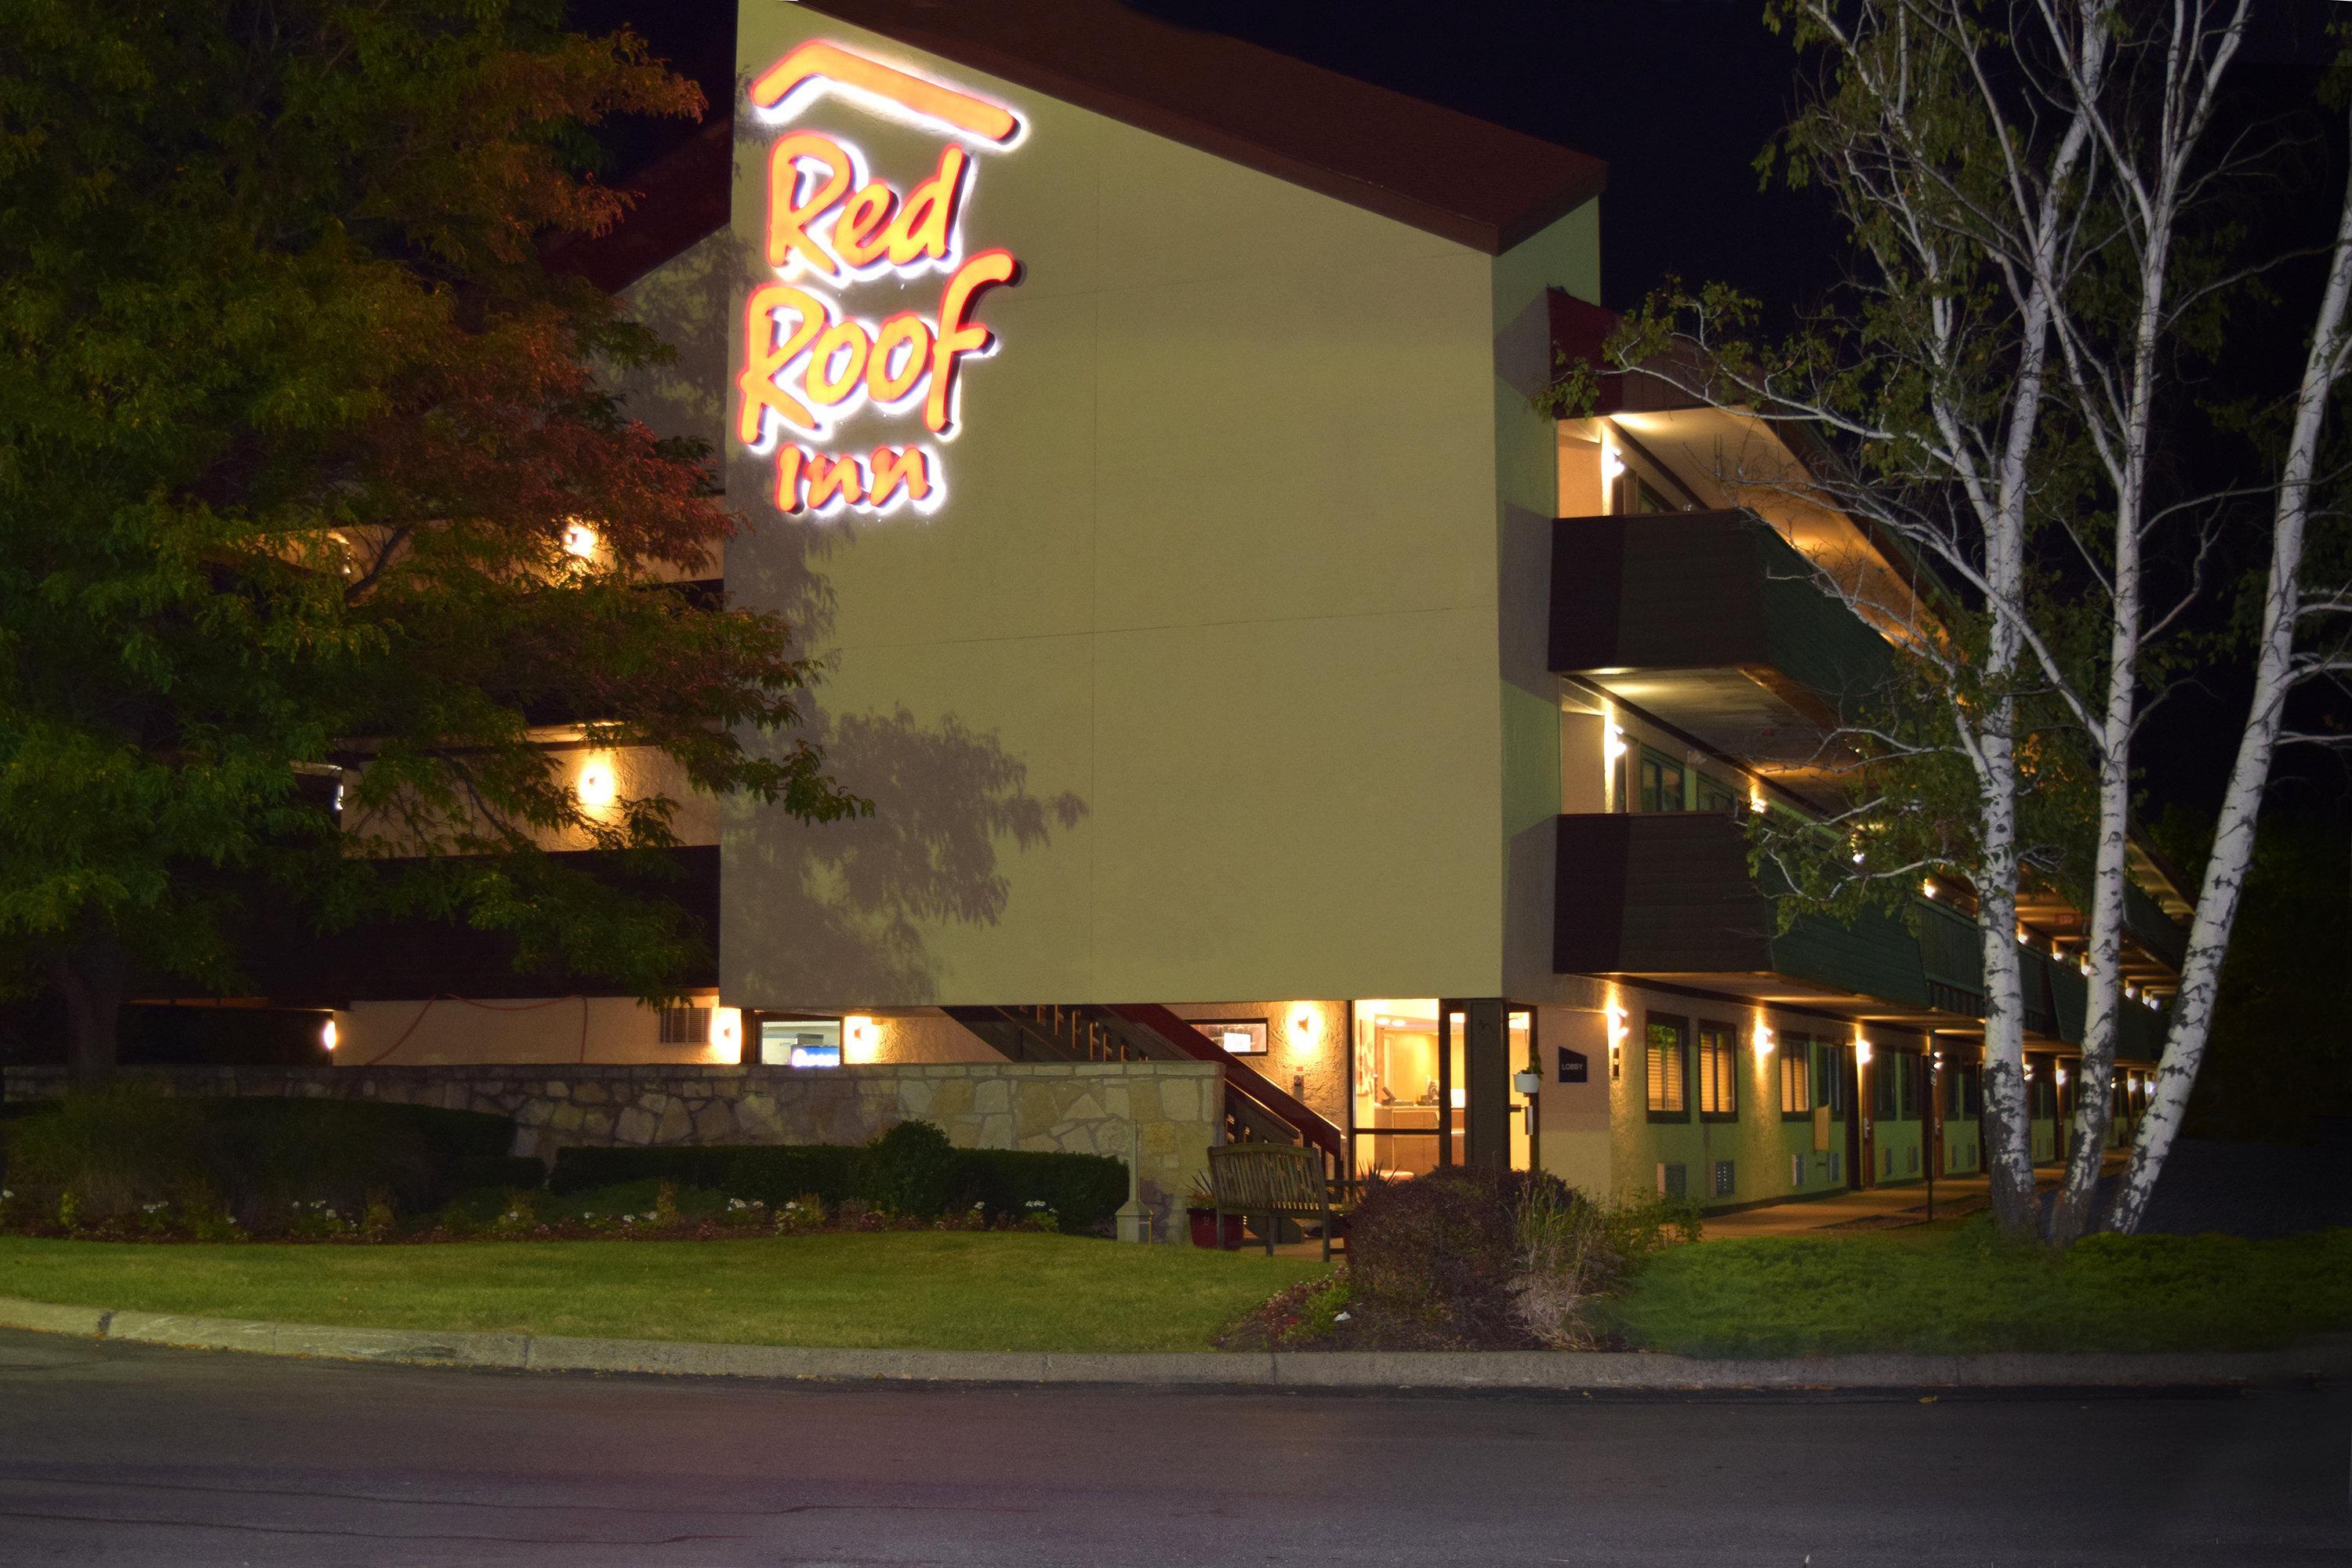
<point x="1305" y="1047"/>
<point x="452" y="1031"/>
<point x="1190" y="687"/>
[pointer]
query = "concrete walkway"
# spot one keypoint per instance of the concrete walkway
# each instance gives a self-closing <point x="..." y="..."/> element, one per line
<point x="1890" y="1207"/>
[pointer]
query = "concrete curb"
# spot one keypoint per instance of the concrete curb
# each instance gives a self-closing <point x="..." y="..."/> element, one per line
<point x="1550" y="1371"/>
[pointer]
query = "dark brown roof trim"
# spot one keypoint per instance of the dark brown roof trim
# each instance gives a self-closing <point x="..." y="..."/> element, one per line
<point x="681" y="198"/>
<point x="1449" y="173"/>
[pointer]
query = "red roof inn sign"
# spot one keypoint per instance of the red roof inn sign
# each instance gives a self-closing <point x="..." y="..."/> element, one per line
<point x="810" y="361"/>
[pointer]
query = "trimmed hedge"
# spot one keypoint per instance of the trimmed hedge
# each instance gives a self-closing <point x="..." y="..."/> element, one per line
<point x="1085" y="1190"/>
<point x="117" y="1148"/>
<point x="773" y="1173"/>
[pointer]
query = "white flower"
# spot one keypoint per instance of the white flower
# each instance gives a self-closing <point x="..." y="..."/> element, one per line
<point x="1342" y="1317"/>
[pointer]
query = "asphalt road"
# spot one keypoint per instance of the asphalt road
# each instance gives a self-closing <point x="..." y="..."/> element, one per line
<point x="118" y="1454"/>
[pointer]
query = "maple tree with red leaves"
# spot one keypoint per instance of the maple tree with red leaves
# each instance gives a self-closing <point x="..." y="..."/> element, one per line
<point x="295" y="428"/>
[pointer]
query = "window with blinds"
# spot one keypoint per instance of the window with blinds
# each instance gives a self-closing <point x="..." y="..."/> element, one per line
<point x="1667" y="1046"/>
<point x="1719" y="1071"/>
<point x="1797" y="1077"/>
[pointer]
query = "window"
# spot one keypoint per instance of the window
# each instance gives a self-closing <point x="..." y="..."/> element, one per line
<point x="1668" y="1042"/>
<point x="1719" y="1072"/>
<point x="1797" y="1077"/>
<point x="1722" y="1178"/>
<point x="1972" y="1091"/>
<point x="1882" y="1082"/>
<point x="1834" y="1068"/>
<point x="1715" y="796"/>
<point x="1662" y="782"/>
<point x="686" y="1026"/>
<point x="1796" y="1170"/>
<point x="1240" y="1036"/>
<point x="800" y="1042"/>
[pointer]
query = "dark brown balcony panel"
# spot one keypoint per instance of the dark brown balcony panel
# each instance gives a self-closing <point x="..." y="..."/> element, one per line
<point x="1667" y="897"/>
<point x="1711" y="622"/>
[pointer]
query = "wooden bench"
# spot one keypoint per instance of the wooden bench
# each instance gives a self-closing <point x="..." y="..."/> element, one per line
<point x="1271" y="1181"/>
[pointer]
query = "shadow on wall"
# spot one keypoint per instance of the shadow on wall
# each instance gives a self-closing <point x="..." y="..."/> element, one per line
<point x="849" y="901"/>
<point x="852" y="898"/>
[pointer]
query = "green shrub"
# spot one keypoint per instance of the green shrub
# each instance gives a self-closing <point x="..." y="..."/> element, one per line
<point x="1432" y="1261"/>
<point x="1086" y="1190"/>
<point x="909" y="1169"/>
<point x="115" y="1149"/>
<point x="99" y="1155"/>
<point x="637" y="1199"/>
<point x="773" y="1174"/>
<point x="1638" y="1229"/>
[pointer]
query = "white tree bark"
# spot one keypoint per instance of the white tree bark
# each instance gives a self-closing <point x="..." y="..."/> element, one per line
<point x="2275" y="673"/>
<point x="2151" y="175"/>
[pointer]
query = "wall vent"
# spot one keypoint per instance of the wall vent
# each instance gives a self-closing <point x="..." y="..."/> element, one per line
<point x="1674" y="1180"/>
<point x="686" y="1026"/>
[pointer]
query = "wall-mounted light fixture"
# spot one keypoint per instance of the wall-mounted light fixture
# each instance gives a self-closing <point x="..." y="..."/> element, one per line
<point x="727" y="1032"/>
<point x="1927" y="888"/>
<point x="329" y="1035"/>
<point x="1763" y="1040"/>
<point x="861" y="1038"/>
<point x="1305" y="1026"/>
<point x="1862" y="1052"/>
<point x="579" y="540"/>
<point x="597" y="787"/>
<point x="1617" y="1032"/>
<point x="1612" y="742"/>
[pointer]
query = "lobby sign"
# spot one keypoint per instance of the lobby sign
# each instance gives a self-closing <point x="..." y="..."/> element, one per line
<point x="835" y="236"/>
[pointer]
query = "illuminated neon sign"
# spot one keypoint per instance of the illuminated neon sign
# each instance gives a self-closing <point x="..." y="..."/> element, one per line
<point x="810" y="361"/>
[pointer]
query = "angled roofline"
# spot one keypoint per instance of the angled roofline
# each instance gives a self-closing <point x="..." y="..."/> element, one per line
<point x="1436" y="169"/>
<point x="1449" y="173"/>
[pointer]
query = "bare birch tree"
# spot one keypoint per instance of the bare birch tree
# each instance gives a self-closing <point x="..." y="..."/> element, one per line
<point x="1934" y="376"/>
<point x="2019" y="179"/>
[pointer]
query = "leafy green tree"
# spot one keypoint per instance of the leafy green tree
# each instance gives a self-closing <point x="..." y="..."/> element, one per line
<point x="297" y="439"/>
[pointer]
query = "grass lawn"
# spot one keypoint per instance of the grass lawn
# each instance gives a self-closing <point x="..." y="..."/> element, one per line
<point x="1956" y="1289"/>
<point x="892" y="1290"/>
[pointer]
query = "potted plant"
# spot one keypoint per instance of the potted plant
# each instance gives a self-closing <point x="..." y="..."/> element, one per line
<point x="1208" y="1230"/>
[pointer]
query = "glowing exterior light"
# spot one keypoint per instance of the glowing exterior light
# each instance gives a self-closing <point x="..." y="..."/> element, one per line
<point x="579" y="541"/>
<point x="861" y="1038"/>
<point x="1763" y="1040"/>
<point x="727" y="1032"/>
<point x="1862" y="1052"/>
<point x="329" y="1035"/>
<point x="1927" y="888"/>
<point x="808" y="361"/>
<point x="1305" y="1026"/>
<point x="596" y="786"/>
<point x="2062" y="1078"/>
<point x="1612" y="743"/>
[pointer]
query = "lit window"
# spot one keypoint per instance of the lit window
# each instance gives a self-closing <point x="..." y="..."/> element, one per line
<point x="1719" y="1072"/>
<point x="1667" y="1094"/>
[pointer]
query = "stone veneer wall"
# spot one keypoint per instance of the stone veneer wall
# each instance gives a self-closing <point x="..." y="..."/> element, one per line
<point x="1093" y="1108"/>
